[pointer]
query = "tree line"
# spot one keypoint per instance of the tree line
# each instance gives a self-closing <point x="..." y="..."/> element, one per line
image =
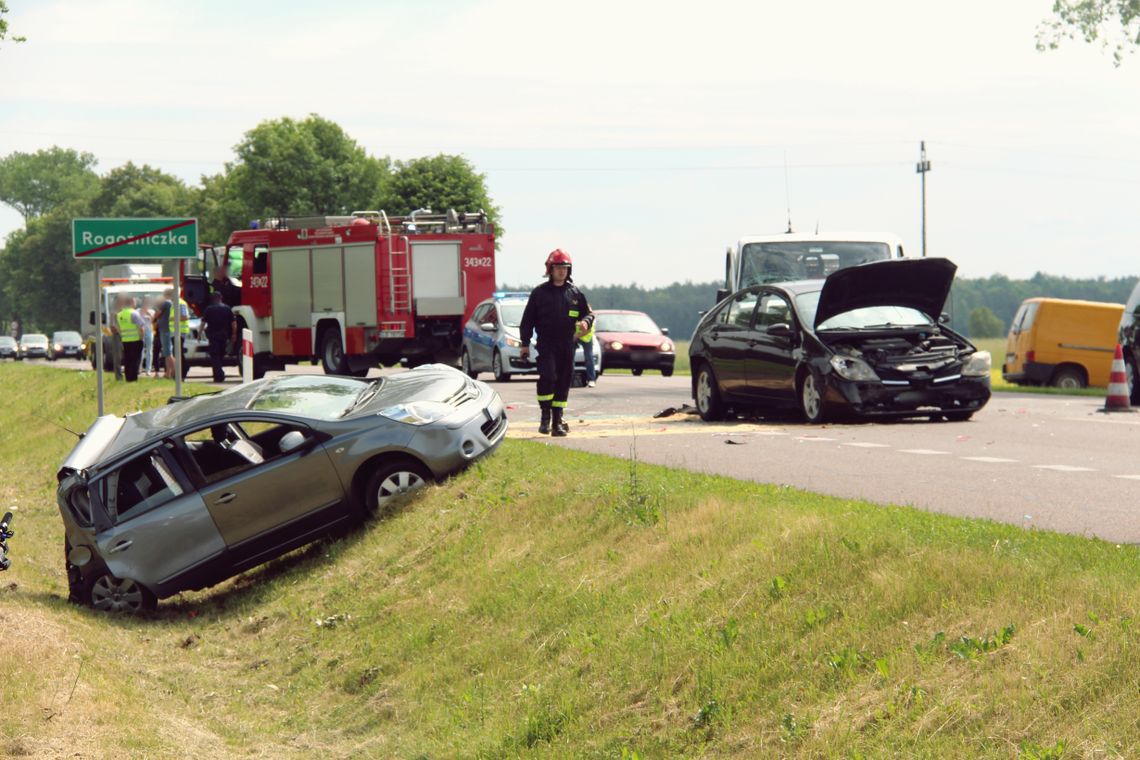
<point x="281" y="167"/>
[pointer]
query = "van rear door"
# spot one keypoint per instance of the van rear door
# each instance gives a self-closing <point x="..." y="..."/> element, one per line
<point x="1019" y="343"/>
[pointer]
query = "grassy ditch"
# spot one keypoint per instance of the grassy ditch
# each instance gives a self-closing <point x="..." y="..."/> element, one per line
<point x="553" y="603"/>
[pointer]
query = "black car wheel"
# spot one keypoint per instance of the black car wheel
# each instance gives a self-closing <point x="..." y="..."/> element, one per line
<point x="637" y="372"/>
<point x="1069" y="378"/>
<point x="110" y="594"/>
<point x="465" y="364"/>
<point x="501" y="376"/>
<point x="812" y="390"/>
<point x="667" y="372"/>
<point x="709" y="403"/>
<point x="391" y="483"/>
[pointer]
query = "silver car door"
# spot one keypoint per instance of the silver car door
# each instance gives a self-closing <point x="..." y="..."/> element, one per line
<point x="161" y="527"/>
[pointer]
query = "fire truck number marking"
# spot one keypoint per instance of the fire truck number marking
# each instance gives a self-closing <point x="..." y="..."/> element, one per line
<point x="259" y="281"/>
<point x="476" y="261"/>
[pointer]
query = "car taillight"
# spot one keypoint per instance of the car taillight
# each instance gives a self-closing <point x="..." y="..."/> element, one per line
<point x="1030" y="356"/>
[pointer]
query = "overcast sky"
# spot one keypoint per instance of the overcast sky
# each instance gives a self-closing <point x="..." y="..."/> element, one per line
<point x="642" y="137"/>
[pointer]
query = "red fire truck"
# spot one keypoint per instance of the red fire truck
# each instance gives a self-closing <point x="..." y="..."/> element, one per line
<point x="354" y="291"/>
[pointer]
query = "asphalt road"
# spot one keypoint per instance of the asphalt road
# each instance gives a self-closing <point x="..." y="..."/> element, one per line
<point x="1040" y="461"/>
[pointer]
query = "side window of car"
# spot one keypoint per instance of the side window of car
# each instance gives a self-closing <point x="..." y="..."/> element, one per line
<point x="773" y="310"/>
<point x="221" y="451"/>
<point x="139" y="486"/>
<point x="480" y="315"/>
<point x="739" y="312"/>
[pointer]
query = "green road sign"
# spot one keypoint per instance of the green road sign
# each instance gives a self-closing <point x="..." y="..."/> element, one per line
<point x="134" y="238"/>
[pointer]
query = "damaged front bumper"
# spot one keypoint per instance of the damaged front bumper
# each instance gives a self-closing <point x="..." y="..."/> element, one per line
<point x="901" y="398"/>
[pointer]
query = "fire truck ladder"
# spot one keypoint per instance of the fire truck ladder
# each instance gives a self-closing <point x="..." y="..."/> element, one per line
<point x="399" y="272"/>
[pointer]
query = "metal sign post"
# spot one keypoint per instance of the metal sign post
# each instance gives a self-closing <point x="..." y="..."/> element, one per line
<point x="176" y="307"/>
<point x="98" y="343"/>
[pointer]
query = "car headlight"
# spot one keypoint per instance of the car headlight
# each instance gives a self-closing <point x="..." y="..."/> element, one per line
<point x="58" y="347"/>
<point x="978" y="365"/>
<point x="666" y="346"/>
<point x="417" y="412"/>
<point x="512" y="342"/>
<point x="852" y="368"/>
<point x="616" y="345"/>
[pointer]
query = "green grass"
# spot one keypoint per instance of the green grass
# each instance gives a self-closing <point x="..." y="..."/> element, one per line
<point x="553" y="603"/>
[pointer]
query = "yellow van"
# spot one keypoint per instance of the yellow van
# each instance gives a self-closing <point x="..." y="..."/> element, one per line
<point x="1066" y="344"/>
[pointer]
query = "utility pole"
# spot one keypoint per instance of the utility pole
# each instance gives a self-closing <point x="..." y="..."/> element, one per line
<point x="922" y="168"/>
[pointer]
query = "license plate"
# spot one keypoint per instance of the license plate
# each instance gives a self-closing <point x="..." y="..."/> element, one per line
<point x="643" y="356"/>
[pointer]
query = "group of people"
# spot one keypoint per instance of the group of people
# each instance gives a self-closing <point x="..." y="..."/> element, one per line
<point x="135" y="325"/>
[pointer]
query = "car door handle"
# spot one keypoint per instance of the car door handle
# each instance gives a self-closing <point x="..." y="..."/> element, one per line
<point x="225" y="498"/>
<point x="121" y="546"/>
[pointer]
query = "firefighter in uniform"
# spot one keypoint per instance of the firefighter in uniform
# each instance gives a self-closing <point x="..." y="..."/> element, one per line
<point x="558" y="312"/>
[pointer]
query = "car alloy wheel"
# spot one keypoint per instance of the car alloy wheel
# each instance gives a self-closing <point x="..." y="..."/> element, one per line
<point x="811" y="397"/>
<point x="497" y="368"/>
<point x="465" y="363"/>
<point x="393" y="482"/>
<point x="708" y="396"/>
<point x="111" y="594"/>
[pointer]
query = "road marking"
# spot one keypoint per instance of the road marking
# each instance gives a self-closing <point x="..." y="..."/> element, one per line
<point x="923" y="452"/>
<point x="813" y="438"/>
<point x="1062" y="468"/>
<point x="868" y="445"/>
<point x="990" y="460"/>
<point x="1127" y="477"/>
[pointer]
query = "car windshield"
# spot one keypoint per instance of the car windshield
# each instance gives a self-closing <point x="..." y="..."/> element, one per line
<point x="628" y="323"/>
<point x="512" y="313"/>
<point x="316" y="396"/>
<point x="866" y="318"/>
<point x="69" y="337"/>
<point x="29" y="339"/>
<point x="803" y="260"/>
<point x="6" y="341"/>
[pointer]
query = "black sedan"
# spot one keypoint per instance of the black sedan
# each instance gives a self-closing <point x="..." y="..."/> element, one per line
<point x="866" y="341"/>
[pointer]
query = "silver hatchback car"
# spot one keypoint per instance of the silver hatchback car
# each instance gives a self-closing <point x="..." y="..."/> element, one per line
<point x="187" y="495"/>
<point x="491" y="341"/>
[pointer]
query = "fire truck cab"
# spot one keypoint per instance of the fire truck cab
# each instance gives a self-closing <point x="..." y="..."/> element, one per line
<point x="353" y="291"/>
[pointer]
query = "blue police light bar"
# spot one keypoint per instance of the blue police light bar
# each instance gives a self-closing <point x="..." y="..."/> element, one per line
<point x="509" y="294"/>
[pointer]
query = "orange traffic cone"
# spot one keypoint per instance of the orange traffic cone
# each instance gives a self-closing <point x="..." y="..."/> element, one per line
<point x="1118" y="395"/>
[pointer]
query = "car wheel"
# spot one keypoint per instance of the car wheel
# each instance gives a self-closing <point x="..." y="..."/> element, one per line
<point x="709" y="403"/>
<point x="332" y="352"/>
<point x="637" y="372"/>
<point x="465" y="364"/>
<point x="1068" y="378"/>
<point x="391" y="483"/>
<point x="812" y="390"/>
<point x="497" y="370"/>
<point x="110" y="594"/>
<point x="667" y="372"/>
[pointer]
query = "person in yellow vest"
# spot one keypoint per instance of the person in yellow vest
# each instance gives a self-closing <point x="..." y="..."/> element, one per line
<point x="116" y="339"/>
<point x="131" y="325"/>
<point x="183" y="329"/>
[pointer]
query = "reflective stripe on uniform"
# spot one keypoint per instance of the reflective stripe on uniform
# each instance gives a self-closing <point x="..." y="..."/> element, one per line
<point x="574" y="313"/>
<point x="558" y="404"/>
<point x="547" y="397"/>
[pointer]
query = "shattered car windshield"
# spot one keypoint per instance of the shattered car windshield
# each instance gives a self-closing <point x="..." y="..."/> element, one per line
<point x="866" y="318"/>
<point x="804" y="260"/>
<point x="320" y="397"/>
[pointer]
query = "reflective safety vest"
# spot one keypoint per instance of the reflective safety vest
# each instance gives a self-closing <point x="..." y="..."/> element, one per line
<point x="128" y="330"/>
<point x="185" y="324"/>
<point x="588" y="336"/>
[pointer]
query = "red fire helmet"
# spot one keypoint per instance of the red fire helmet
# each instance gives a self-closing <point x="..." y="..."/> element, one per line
<point x="558" y="256"/>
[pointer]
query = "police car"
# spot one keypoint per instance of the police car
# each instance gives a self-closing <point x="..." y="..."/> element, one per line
<point x="491" y="341"/>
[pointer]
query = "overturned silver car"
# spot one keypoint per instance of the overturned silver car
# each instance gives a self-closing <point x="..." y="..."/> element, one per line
<point x="187" y="495"/>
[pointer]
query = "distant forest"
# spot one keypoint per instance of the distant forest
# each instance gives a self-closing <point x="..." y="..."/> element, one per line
<point x="678" y="306"/>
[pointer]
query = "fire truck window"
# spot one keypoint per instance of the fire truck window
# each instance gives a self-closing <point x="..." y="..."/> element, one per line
<point x="261" y="260"/>
<point x="234" y="257"/>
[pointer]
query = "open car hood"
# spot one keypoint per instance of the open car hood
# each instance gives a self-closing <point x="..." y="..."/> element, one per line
<point x="922" y="284"/>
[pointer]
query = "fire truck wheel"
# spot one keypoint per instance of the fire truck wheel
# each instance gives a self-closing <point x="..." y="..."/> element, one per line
<point x="332" y="352"/>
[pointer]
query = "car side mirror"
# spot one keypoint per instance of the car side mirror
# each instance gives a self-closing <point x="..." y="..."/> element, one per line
<point x="721" y="294"/>
<point x="780" y="330"/>
<point x="664" y="330"/>
<point x="944" y="318"/>
<point x="90" y="317"/>
<point x="292" y="441"/>
<point x="487" y="327"/>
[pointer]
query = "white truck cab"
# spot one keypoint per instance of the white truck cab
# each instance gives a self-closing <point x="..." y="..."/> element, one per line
<point x="759" y="259"/>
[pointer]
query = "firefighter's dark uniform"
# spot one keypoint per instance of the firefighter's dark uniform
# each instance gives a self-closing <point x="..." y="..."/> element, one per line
<point x="553" y="312"/>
